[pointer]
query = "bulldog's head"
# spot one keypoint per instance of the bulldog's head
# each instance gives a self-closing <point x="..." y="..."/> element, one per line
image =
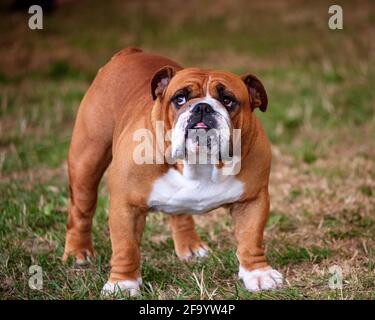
<point x="203" y="106"/>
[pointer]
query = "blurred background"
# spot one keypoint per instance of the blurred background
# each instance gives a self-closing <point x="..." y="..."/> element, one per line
<point x="320" y="120"/>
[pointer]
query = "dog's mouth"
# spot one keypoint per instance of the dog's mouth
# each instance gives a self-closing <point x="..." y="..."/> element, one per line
<point x="198" y="131"/>
<point x="200" y="135"/>
<point x="205" y="125"/>
<point x="201" y="125"/>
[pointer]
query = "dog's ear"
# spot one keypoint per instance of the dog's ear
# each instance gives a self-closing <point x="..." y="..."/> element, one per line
<point x="256" y="91"/>
<point x="160" y="81"/>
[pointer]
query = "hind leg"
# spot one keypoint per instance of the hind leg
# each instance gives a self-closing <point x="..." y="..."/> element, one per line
<point x="187" y="242"/>
<point x="87" y="161"/>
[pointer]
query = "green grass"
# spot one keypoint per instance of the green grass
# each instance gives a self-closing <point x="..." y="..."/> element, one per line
<point x="320" y="121"/>
<point x="294" y="255"/>
<point x="32" y="233"/>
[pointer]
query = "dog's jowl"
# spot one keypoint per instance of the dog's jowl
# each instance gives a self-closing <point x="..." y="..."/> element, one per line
<point x="200" y="109"/>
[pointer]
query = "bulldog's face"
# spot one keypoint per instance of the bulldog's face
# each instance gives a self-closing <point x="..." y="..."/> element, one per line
<point x="203" y="106"/>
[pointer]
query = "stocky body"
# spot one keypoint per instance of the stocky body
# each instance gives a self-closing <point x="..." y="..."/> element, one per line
<point x="132" y="92"/>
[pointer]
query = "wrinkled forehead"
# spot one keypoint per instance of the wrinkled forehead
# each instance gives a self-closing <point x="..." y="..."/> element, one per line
<point x="203" y="82"/>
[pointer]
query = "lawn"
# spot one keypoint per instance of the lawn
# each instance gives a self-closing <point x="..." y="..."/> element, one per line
<point x="321" y="123"/>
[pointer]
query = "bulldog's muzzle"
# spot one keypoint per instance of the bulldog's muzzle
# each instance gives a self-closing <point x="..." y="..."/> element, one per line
<point x="203" y="129"/>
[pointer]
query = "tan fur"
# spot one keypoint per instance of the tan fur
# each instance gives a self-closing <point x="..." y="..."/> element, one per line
<point x="119" y="102"/>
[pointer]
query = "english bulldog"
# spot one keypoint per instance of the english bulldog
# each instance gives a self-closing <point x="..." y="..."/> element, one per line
<point x="137" y="91"/>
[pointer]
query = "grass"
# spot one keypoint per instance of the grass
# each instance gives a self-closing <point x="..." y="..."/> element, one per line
<point x="320" y="121"/>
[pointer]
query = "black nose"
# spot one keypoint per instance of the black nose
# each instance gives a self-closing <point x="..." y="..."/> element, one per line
<point x="203" y="108"/>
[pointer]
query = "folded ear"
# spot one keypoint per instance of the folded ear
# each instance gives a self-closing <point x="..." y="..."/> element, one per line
<point x="256" y="91"/>
<point x="160" y="80"/>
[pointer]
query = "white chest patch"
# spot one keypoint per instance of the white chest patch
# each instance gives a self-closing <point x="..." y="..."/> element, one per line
<point x="199" y="189"/>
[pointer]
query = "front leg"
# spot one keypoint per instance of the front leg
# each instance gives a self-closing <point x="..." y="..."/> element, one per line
<point x="250" y="218"/>
<point x="126" y="225"/>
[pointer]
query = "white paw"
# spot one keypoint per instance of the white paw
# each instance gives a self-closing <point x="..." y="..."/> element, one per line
<point x="132" y="287"/>
<point x="200" y="252"/>
<point x="259" y="279"/>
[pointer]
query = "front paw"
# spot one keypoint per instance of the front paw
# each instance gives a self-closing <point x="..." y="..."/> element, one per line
<point x="261" y="279"/>
<point x="131" y="287"/>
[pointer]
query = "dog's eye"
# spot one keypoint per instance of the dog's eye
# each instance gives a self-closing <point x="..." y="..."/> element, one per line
<point x="180" y="100"/>
<point x="227" y="102"/>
